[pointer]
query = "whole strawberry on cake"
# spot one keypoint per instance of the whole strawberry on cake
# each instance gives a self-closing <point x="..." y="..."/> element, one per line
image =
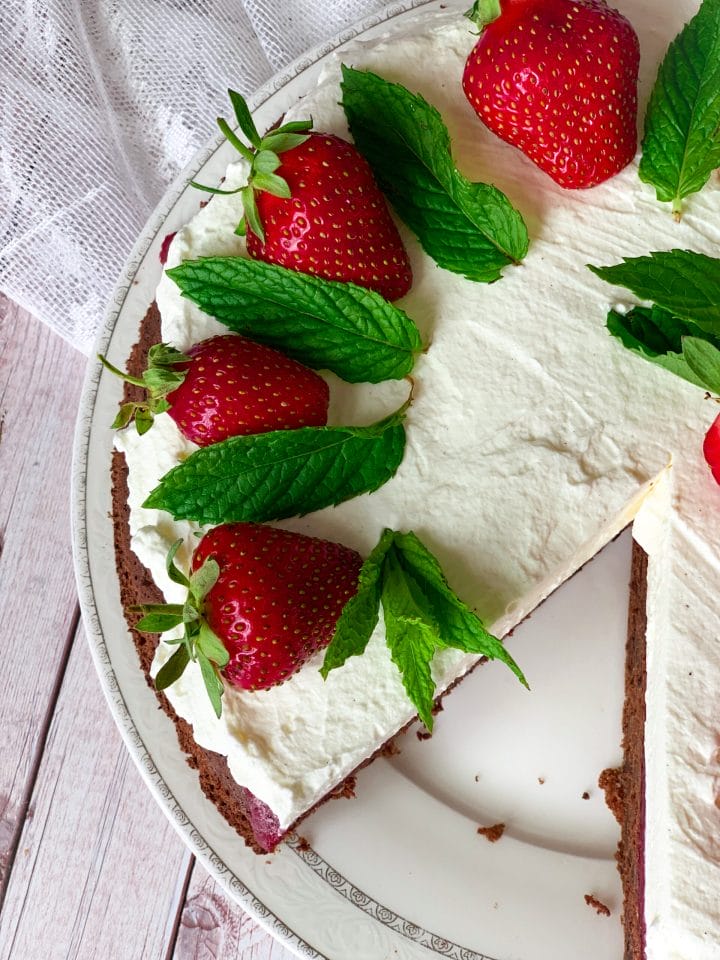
<point x="532" y="436"/>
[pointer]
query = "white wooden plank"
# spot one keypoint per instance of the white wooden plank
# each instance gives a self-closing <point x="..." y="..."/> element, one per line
<point x="99" y="871"/>
<point x="40" y="378"/>
<point x="214" y="927"/>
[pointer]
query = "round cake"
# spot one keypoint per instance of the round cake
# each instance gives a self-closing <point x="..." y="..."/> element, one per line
<point x="533" y="439"/>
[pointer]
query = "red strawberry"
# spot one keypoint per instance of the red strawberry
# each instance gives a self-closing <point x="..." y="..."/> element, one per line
<point x="261" y="601"/>
<point x="224" y="387"/>
<point x="558" y="79"/>
<point x="711" y="448"/>
<point x="314" y="207"/>
<point x="277" y="599"/>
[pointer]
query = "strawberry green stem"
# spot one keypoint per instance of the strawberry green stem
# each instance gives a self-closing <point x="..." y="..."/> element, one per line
<point x="484" y="12"/>
<point x="232" y="138"/>
<point x="263" y="158"/>
<point x="119" y="373"/>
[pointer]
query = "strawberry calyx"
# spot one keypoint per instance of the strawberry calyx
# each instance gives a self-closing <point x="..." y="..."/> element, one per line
<point x="262" y="154"/>
<point x="483" y="12"/>
<point x="199" y="642"/>
<point x="159" y="379"/>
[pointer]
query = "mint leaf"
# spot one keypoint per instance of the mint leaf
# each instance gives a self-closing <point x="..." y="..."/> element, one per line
<point x="411" y="636"/>
<point x="685" y="283"/>
<point x="422" y="615"/>
<point x="468" y="228"/>
<point x="284" y="473"/>
<point x="458" y="626"/>
<point x="360" y="614"/>
<point x="681" y="144"/>
<point x="341" y="327"/>
<point x="704" y="361"/>
<point x="657" y="336"/>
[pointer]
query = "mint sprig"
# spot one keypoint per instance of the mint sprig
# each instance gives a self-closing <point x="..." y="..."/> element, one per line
<point x="161" y="377"/>
<point x="198" y="642"/>
<point x="468" y="228"/>
<point x="685" y="283"/>
<point x="283" y="473"/>
<point x="324" y="324"/>
<point x="681" y="144"/>
<point x="422" y="615"/>
<point x="642" y="330"/>
<point x="680" y="331"/>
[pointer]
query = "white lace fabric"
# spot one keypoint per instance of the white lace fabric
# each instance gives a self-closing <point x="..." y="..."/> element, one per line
<point x="102" y="103"/>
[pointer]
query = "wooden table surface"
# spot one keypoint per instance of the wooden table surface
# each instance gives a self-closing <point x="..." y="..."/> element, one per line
<point x="89" y="865"/>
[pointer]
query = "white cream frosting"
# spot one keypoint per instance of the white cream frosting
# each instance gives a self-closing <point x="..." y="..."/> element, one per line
<point x="533" y="438"/>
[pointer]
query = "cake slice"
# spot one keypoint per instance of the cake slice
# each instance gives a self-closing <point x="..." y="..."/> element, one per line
<point x="533" y="439"/>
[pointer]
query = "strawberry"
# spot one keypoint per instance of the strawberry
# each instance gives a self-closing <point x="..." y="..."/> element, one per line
<point x="558" y="79"/>
<point x="223" y="387"/>
<point x="711" y="448"/>
<point x="262" y="601"/>
<point x="312" y="205"/>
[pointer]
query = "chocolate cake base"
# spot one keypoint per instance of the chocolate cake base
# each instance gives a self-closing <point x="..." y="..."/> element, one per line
<point x="625" y="787"/>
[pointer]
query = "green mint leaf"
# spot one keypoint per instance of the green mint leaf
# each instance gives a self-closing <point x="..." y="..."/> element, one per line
<point x="411" y="636"/>
<point x="704" y="361"/>
<point x="458" y="626"/>
<point x="360" y="614"/>
<point x="660" y="330"/>
<point x="284" y="473"/>
<point x="326" y="325"/>
<point x="212" y="646"/>
<point x="213" y="683"/>
<point x="639" y="332"/>
<point x="685" y="283"/>
<point x="173" y="668"/>
<point x="468" y="228"/>
<point x="681" y="144"/>
<point x="422" y="615"/>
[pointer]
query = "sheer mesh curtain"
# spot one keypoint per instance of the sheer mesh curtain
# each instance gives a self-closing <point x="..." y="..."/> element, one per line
<point x="102" y="103"/>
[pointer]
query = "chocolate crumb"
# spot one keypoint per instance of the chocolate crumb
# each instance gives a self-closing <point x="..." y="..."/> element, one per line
<point x="423" y="734"/>
<point x="610" y="782"/>
<point x="302" y="845"/>
<point x="493" y="833"/>
<point x="346" y="788"/>
<point x="541" y="780"/>
<point x="586" y="795"/>
<point x="602" y="909"/>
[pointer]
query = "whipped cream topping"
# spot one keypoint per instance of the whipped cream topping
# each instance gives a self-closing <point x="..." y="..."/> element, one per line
<point x="533" y="438"/>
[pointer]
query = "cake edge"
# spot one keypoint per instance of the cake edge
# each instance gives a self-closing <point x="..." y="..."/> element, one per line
<point x="624" y="786"/>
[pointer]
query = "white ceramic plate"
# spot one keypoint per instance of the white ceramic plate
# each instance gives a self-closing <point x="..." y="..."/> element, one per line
<point x="400" y="871"/>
